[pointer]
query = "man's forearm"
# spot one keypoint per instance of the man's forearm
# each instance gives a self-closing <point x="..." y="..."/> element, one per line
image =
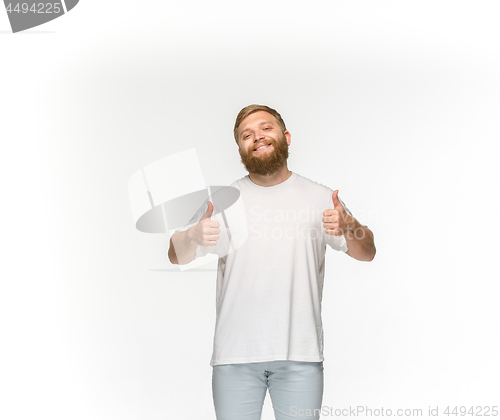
<point x="182" y="248"/>
<point x="360" y="243"/>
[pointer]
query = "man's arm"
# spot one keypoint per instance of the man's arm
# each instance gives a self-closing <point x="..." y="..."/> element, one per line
<point x="359" y="238"/>
<point x="182" y="248"/>
<point x="183" y="245"/>
<point x="360" y="243"/>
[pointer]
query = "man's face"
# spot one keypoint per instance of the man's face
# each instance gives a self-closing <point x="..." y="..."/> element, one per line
<point x="262" y="129"/>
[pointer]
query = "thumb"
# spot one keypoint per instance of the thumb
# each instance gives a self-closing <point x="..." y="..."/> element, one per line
<point x="335" y="199"/>
<point x="209" y="211"/>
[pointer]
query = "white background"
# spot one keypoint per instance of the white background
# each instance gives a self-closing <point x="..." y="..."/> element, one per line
<point x="394" y="103"/>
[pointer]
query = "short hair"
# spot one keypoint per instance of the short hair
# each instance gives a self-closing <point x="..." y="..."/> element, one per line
<point x="250" y="109"/>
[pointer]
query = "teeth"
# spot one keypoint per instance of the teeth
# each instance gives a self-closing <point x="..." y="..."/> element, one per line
<point x="262" y="147"/>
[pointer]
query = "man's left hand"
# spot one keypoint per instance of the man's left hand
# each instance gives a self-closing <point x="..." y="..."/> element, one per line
<point x="336" y="221"/>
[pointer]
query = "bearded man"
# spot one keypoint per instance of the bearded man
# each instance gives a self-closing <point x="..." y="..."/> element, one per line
<point x="268" y="332"/>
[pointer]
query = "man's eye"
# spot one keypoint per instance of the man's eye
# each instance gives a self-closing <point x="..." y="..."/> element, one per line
<point x="248" y="135"/>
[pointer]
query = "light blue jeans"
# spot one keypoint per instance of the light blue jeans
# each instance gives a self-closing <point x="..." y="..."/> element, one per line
<point x="296" y="389"/>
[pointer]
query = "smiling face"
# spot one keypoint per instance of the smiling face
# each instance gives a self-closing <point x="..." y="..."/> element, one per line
<point x="257" y="130"/>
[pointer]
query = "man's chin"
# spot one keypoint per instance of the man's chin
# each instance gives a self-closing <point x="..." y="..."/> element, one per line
<point x="260" y="168"/>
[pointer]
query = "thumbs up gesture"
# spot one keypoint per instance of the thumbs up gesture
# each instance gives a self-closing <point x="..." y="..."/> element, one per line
<point x="205" y="232"/>
<point x="336" y="221"/>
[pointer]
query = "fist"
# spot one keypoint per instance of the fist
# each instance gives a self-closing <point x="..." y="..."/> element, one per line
<point x="205" y="232"/>
<point x="336" y="221"/>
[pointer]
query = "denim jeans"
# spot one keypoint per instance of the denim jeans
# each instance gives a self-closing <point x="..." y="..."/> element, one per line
<point x="296" y="389"/>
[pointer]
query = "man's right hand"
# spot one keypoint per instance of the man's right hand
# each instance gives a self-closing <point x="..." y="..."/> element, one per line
<point x="205" y="232"/>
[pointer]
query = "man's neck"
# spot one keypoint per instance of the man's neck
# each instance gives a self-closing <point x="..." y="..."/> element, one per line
<point x="276" y="178"/>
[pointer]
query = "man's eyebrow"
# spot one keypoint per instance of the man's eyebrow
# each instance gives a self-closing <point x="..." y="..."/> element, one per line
<point x="262" y="123"/>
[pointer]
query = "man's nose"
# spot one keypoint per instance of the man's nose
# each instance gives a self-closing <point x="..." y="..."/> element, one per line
<point x="258" y="136"/>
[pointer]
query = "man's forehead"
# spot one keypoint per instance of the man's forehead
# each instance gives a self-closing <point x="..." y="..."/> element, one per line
<point x="263" y="119"/>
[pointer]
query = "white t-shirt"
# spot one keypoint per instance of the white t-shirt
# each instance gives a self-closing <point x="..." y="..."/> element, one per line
<point x="269" y="290"/>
